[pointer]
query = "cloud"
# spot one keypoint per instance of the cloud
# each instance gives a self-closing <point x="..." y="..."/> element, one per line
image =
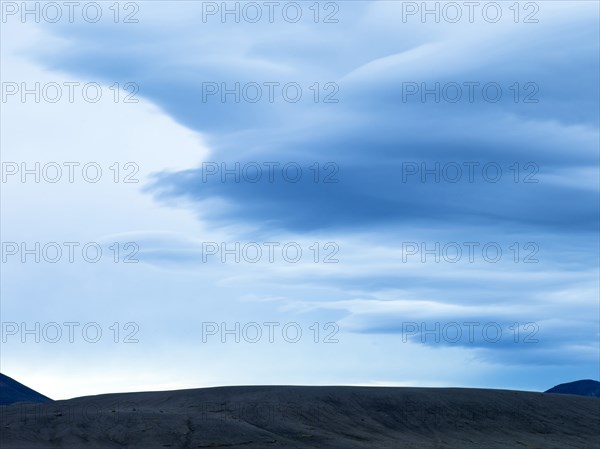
<point x="370" y="142"/>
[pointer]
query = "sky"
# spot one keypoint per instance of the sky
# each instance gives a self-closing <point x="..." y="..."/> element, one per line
<point x="374" y="193"/>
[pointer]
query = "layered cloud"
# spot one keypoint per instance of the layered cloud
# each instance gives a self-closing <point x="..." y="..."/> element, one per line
<point x="411" y="141"/>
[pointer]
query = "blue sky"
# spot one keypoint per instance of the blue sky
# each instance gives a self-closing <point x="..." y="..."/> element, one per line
<point x="375" y="219"/>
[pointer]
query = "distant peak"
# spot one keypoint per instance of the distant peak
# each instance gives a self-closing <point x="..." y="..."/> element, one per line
<point x="586" y="387"/>
<point x="12" y="391"/>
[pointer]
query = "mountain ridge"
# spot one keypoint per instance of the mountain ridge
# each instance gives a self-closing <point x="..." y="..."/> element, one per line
<point x="302" y="417"/>
<point x="585" y="387"/>
<point x="12" y="392"/>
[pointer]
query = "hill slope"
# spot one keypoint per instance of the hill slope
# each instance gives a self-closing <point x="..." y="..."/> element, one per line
<point x="579" y="387"/>
<point x="308" y="417"/>
<point x="12" y="391"/>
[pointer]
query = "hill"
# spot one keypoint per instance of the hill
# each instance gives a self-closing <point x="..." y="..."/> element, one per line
<point x="12" y="391"/>
<point x="308" y="417"/>
<point x="579" y="387"/>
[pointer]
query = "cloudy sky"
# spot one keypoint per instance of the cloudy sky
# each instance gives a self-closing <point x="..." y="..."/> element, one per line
<point x="352" y="192"/>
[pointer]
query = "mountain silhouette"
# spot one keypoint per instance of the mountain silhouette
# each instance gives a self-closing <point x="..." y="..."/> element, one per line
<point x="302" y="417"/>
<point x="12" y="391"/>
<point x="585" y="387"/>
